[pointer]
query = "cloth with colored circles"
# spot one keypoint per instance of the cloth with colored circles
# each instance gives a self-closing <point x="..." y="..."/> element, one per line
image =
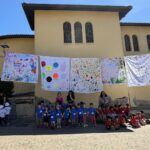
<point x="55" y="73"/>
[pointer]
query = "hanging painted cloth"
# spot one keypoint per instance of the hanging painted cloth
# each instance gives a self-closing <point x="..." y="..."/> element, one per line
<point x="55" y="73"/>
<point x="20" y="68"/>
<point x="86" y="75"/>
<point x="138" y="70"/>
<point x="113" y="71"/>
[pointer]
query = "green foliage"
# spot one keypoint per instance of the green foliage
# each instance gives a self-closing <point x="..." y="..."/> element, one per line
<point x="6" y="88"/>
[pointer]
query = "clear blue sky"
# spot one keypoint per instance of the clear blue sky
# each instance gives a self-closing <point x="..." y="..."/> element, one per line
<point x="13" y="20"/>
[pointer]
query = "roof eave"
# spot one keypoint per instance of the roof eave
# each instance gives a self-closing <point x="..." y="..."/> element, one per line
<point x="135" y="24"/>
<point x="30" y="8"/>
<point x="16" y="36"/>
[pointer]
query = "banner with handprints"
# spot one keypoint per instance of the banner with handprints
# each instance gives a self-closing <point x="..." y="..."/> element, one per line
<point x="86" y="75"/>
<point x="20" y="68"/>
<point x="55" y="73"/>
<point x="138" y="70"/>
<point x="113" y="71"/>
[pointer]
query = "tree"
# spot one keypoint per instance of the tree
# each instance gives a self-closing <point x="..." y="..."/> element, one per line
<point x="6" y="87"/>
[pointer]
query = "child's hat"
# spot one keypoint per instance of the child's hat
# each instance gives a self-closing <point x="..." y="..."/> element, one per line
<point x="1" y="106"/>
<point x="6" y="104"/>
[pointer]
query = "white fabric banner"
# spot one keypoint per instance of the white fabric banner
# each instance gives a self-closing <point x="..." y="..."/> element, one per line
<point x="138" y="70"/>
<point x="113" y="71"/>
<point x="20" y="68"/>
<point x="86" y="75"/>
<point x="55" y="73"/>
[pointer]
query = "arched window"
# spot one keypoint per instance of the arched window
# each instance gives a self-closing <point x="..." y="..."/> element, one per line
<point x="148" y="41"/>
<point x="135" y="43"/>
<point x="127" y="43"/>
<point x="78" y="32"/>
<point x="67" y="32"/>
<point x="89" y="32"/>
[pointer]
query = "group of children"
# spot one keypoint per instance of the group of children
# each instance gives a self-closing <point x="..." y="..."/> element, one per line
<point x="118" y="116"/>
<point x="5" y="110"/>
<point x="137" y="120"/>
<point x="113" y="117"/>
<point x="65" y="115"/>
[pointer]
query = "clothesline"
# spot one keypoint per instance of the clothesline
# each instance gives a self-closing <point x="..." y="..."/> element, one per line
<point x="83" y="75"/>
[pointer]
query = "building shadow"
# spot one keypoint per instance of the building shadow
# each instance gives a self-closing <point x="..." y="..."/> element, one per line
<point x="31" y="129"/>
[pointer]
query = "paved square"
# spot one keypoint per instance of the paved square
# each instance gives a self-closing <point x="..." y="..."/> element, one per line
<point x="26" y="137"/>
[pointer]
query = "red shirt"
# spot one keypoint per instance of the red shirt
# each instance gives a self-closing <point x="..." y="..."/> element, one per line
<point x="138" y="117"/>
<point x="108" y="123"/>
<point x="142" y="116"/>
<point x="107" y="111"/>
<point x="133" y="120"/>
<point x="127" y="109"/>
<point x="116" y="122"/>
<point x="122" y="120"/>
<point x="111" y="111"/>
<point x="121" y="110"/>
<point x="116" y="110"/>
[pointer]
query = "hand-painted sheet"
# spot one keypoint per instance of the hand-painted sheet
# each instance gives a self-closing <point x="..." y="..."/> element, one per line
<point x="85" y="75"/>
<point x="113" y="71"/>
<point x="20" y="67"/>
<point x="55" y="73"/>
<point x="138" y="70"/>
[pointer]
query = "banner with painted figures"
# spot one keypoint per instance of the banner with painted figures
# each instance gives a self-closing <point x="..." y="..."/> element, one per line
<point x="138" y="70"/>
<point x="20" y="68"/>
<point x="113" y="71"/>
<point x="55" y="73"/>
<point x="85" y="75"/>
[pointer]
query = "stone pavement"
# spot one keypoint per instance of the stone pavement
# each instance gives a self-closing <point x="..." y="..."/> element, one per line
<point x="25" y="136"/>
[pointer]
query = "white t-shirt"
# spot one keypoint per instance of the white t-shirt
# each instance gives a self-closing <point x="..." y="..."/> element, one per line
<point x="2" y="113"/>
<point x="7" y="110"/>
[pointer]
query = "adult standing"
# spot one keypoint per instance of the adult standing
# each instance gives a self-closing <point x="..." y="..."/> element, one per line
<point x="104" y="100"/>
<point x="59" y="98"/>
<point x="71" y="97"/>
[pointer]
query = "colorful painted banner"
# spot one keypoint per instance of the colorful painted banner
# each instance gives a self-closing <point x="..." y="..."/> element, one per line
<point x="85" y="75"/>
<point x="20" y="67"/>
<point x="138" y="70"/>
<point x="55" y="73"/>
<point x="113" y="71"/>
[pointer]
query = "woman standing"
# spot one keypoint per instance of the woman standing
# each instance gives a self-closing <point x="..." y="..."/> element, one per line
<point x="104" y="100"/>
<point x="70" y="97"/>
<point x="59" y="99"/>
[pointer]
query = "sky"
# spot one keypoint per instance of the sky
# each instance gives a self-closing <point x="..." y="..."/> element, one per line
<point x="13" y="19"/>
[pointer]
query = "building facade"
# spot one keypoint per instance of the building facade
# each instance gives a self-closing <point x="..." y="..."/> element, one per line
<point x="62" y="31"/>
